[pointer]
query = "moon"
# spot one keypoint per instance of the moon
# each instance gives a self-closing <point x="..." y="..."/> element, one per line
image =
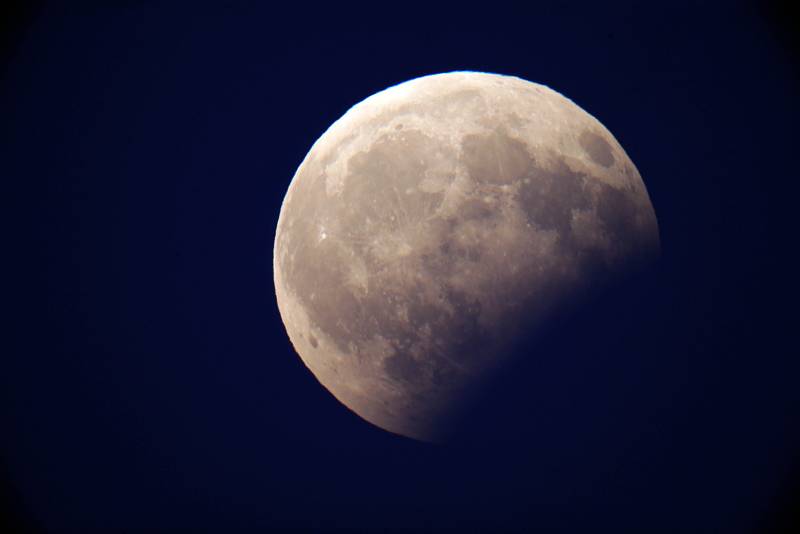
<point x="438" y="221"/>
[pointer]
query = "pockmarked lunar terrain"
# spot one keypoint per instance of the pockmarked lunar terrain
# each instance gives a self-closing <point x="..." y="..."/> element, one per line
<point x="438" y="221"/>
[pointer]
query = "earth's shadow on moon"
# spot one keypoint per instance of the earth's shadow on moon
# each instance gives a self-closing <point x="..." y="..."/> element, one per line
<point x="591" y="376"/>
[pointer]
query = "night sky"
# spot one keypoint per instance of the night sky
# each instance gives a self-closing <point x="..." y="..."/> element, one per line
<point x="149" y="384"/>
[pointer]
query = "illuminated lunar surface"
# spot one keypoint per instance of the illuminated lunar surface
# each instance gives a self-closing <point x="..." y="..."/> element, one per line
<point x="438" y="221"/>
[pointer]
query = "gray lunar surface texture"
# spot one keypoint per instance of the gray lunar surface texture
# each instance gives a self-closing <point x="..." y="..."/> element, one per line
<point x="435" y="223"/>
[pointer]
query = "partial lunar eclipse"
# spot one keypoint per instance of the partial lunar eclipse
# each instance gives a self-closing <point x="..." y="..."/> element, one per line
<point x="437" y="222"/>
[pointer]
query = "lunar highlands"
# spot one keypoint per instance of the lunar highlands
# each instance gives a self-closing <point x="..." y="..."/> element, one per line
<point x="435" y="224"/>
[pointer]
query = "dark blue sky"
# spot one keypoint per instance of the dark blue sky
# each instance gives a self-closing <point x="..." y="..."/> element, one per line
<point x="149" y="382"/>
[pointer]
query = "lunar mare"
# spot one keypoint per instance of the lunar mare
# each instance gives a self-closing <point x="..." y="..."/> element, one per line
<point x="435" y="223"/>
